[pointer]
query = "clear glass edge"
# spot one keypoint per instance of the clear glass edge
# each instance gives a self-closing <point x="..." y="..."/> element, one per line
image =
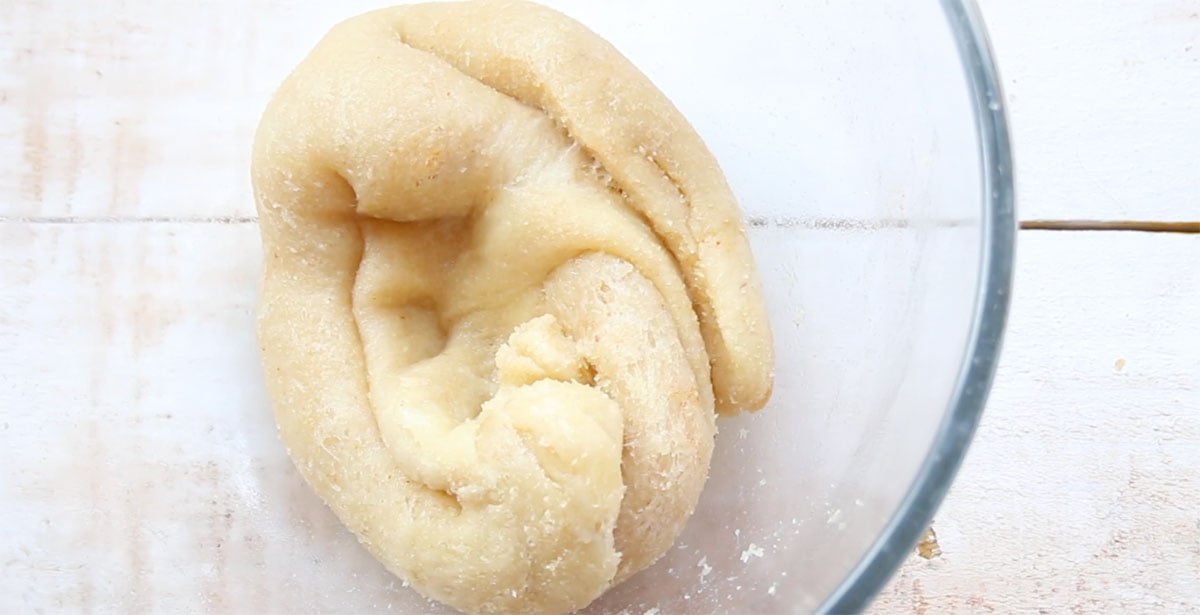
<point x="954" y="435"/>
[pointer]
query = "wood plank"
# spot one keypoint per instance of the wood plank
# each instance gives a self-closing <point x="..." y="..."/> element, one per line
<point x="130" y="363"/>
<point x="1081" y="489"/>
<point x="137" y="109"/>
<point x="1104" y="100"/>
<point x="132" y="109"/>
<point x="142" y="469"/>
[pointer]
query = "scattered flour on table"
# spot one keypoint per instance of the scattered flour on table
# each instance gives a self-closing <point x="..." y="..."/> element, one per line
<point x="751" y="551"/>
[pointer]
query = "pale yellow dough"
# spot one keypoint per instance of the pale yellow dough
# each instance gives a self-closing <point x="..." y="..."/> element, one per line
<point x="505" y="288"/>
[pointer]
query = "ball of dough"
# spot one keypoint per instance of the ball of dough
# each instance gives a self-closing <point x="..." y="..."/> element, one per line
<point x="506" y="289"/>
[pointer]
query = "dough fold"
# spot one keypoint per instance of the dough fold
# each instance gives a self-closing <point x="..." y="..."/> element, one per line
<point x="505" y="290"/>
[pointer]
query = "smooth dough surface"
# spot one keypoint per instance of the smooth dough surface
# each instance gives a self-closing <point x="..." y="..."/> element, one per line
<point x="506" y="288"/>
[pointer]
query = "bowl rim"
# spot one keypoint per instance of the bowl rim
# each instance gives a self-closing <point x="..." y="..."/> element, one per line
<point x="933" y="479"/>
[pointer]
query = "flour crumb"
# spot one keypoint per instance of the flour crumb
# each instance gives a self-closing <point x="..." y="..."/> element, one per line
<point x="771" y="589"/>
<point x="742" y="433"/>
<point x="652" y="611"/>
<point x="705" y="569"/>
<point x="834" y="516"/>
<point x="751" y="551"/>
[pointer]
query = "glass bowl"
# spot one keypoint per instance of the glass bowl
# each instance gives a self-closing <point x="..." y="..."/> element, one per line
<point x="867" y="144"/>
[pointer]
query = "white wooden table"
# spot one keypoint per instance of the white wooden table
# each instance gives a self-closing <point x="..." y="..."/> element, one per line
<point x="1082" y="491"/>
